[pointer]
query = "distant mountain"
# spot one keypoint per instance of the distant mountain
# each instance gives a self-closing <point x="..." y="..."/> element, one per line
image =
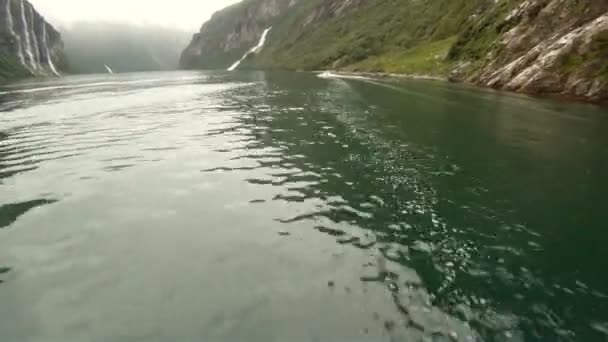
<point x="533" y="46"/>
<point x="29" y="46"/>
<point x="123" y="47"/>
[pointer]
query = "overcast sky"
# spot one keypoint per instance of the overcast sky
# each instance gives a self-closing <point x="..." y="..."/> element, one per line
<point x="183" y="14"/>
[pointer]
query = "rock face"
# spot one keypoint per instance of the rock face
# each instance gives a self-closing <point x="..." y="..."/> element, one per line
<point x="231" y="32"/>
<point x="545" y="47"/>
<point x="28" y="42"/>
<point x="557" y="47"/>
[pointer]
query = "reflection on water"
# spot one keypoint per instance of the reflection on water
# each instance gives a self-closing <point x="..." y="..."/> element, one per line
<point x="402" y="211"/>
<point x="3" y="270"/>
<point x="9" y="213"/>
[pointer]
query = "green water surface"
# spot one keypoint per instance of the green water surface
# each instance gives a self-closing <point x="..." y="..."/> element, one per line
<point x="254" y="206"/>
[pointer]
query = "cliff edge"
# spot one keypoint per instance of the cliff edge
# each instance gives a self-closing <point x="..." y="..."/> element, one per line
<point x="29" y="46"/>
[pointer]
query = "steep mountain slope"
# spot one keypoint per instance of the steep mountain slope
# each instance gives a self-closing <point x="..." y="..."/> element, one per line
<point x="538" y="46"/>
<point x="231" y="32"/>
<point x="344" y="33"/>
<point x="29" y="46"/>
<point x="535" y="46"/>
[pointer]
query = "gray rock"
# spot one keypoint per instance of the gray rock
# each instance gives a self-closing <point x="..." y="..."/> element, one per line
<point x="550" y="48"/>
<point x="26" y="36"/>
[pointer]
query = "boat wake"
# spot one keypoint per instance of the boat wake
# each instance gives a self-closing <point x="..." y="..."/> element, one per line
<point x="332" y="75"/>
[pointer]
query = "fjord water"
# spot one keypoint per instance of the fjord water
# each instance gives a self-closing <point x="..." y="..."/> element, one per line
<point x="254" y="206"/>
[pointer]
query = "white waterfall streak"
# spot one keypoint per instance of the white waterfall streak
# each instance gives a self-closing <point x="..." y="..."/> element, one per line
<point x="252" y="50"/>
<point x="11" y="30"/>
<point x="45" y="46"/>
<point x="26" y="36"/>
<point x="34" y="39"/>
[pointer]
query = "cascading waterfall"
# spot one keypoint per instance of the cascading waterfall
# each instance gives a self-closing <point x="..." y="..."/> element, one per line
<point x="26" y="36"/>
<point x="11" y="30"/>
<point x="45" y="46"/>
<point x="30" y="42"/>
<point x="252" y="50"/>
<point x="32" y="29"/>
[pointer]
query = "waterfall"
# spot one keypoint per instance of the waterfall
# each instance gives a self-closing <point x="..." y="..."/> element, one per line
<point x="11" y="30"/>
<point x="110" y="71"/>
<point x="252" y="50"/>
<point x="33" y="37"/>
<point x="26" y="36"/>
<point x="45" y="46"/>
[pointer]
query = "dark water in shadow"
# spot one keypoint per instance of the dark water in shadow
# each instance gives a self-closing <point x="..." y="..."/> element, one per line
<point x="9" y="213"/>
<point x="282" y="206"/>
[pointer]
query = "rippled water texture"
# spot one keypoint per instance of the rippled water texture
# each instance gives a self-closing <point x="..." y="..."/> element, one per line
<point x="284" y="207"/>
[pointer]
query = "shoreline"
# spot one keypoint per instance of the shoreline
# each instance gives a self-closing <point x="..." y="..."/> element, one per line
<point x="381" y="75"/>
<point x="384" y="75"/>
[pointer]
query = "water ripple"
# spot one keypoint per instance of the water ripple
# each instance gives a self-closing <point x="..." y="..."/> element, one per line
<point x="332" y="163"/>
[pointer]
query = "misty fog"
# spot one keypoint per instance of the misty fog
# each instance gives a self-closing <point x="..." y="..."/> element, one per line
<point x="122" y="46"/>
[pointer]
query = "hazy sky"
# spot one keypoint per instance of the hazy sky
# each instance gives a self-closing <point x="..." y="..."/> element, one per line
<point x="184" y="14"/>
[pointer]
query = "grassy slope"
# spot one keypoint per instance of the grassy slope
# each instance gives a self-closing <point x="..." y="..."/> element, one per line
<point x="10" y="69"/>
<point x="479" y="38"/>
<point x="284" y="34"/>
<point x="395" y="36"/>
<point x="382" y="35"/>
<point x="594" y="61"/>
<point x="426" y="58"/>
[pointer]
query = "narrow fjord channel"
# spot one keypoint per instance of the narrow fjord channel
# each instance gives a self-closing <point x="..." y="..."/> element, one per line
<point x="276" y="206"/>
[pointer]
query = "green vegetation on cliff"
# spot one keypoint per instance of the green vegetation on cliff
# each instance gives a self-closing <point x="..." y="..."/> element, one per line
<point x="11" y="68"/>
<point x="427" y="58"/>
<point x="533" y="46"/>
<point x="383" y="35"/>
<point x="479" y="36"/>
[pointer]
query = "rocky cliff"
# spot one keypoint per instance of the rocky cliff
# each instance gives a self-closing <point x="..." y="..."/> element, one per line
<point x="555" y="47"/>
<point x="231" y="32"/>
<point x="29" y="46"/>
<point x="538" y="46"/>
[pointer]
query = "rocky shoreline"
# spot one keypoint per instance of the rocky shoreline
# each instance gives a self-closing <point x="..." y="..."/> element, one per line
<point x="381" y="75"/>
